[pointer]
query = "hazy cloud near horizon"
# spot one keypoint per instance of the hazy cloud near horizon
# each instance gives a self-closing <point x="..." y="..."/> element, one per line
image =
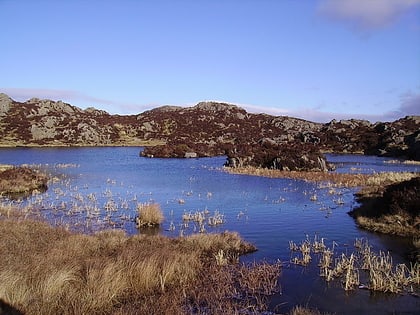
<point x="365" y="15"/>
<point x="410" y="105"/>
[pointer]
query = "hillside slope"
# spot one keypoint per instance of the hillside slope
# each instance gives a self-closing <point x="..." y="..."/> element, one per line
<point x="207" y="129"/>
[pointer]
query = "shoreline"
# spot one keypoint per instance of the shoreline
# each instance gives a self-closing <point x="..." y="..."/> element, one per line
<point x="335" y="179"/>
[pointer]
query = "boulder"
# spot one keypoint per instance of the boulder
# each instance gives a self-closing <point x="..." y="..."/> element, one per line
<point x="5" y="103"/>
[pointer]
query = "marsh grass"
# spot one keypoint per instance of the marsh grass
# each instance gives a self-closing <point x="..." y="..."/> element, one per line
<point x="149" y="214"/>
<point x="300" y="310"/>
<point x="47" y="270"/>
<point x="377" y="269"/>
<point x="334" y="179"/>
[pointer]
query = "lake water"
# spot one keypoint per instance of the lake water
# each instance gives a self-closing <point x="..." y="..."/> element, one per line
<point x="97" y="188"/>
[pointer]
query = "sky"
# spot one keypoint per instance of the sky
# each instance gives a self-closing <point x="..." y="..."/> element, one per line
<point x="314" y="59"/>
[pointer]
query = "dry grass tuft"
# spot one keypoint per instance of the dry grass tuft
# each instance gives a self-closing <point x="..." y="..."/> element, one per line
<point x="150" y="214"/>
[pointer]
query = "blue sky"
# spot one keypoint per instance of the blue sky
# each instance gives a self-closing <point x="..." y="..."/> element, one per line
<point x="314" y="59"/>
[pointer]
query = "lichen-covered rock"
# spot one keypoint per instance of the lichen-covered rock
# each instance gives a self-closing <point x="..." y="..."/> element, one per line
<point x="5" y="103"/>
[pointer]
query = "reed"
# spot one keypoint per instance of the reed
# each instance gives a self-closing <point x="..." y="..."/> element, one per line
<point x="149" y="214"/>
<point x="331" y="178"/>
<point x="378" y="268"/>
<point x="305" y="249"/>
<point x="300" y="310"/>
<point x="325" y="263"/>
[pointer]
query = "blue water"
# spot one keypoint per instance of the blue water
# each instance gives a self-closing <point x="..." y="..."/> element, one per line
<point x="99" y="188"/>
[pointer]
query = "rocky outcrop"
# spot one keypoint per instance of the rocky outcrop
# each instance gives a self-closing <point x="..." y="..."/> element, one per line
<point x="285" y="157"/>
<point x="5" y="103"/>
<point x="46" y="122"/>
<point x="207" y="129"/>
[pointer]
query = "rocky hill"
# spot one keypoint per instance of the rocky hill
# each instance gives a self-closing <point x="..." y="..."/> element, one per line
<point x="207" y="129"/>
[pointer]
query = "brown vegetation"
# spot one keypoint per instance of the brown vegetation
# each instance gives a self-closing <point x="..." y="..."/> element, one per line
<point x="368" y="181"/>
<point x="21" y="180"/>
<point x="52" y="271"/>
<point x="362" y="268"/>
<point x="149" y="214"/>
<point x="394" y="209"/>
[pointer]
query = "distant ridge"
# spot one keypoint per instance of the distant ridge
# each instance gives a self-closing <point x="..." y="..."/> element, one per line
<point x="208" y="129"/>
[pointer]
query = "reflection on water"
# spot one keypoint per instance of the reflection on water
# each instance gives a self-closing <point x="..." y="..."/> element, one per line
<point x="98" y="188"/>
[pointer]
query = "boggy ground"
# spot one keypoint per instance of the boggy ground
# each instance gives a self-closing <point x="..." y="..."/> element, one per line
<point x="19" y="180"/>
<point x="392" y="209"/>
<point x="373" y="182"/>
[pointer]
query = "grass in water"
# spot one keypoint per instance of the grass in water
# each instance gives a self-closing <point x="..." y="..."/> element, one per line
<point x="149" y="214"/>
<point x="362" y="268"/>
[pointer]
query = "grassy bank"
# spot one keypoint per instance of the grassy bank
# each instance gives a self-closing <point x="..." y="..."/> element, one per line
<point x="17" y="180"/>
<point x="394" y="209"/>
<point x="47" y="270"/>
<point x="334" y="179"/>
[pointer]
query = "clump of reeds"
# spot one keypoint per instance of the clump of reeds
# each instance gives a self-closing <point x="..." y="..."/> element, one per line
<point x="378" y="269"/>
<point x="216" y="219"/>
<point x="203" y="217"/>
<point x="325" y="263"/>
<point x="300" y="310"/>
<point x="149" y="214"/>
<point x="305" y="249"/>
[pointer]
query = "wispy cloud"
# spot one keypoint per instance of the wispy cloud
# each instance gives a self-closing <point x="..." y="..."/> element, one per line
<point x="366" y="15"/>
<point x="410" y="104"/>
<point x="315" y="114"/>
<point x="323" y="116"/>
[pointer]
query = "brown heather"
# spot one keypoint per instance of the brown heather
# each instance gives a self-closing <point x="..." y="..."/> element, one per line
<point x="21" y="180"/>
